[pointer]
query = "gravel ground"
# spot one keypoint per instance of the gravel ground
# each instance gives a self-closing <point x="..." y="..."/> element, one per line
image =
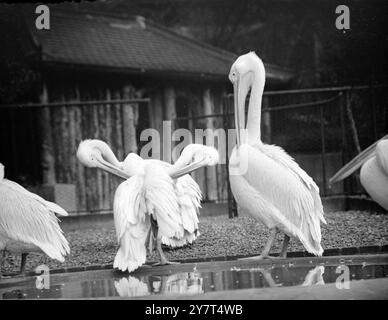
<point x="220" y="236"/>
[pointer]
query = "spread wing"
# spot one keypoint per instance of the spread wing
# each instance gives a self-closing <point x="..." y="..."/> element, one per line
<point x="132" y="224"/>
<point x="148" y="193"/>
<point x="189" y="199"/>
<point x="28" y="218"/>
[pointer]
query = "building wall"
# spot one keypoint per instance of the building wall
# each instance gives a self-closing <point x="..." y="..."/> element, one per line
<point x="83" y="190"/>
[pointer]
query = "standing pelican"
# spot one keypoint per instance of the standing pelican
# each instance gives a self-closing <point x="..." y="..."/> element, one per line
<point x="272" y="187"/>
<point x="374" y="171"/>
<point x="28" y="223"/>
<point x="156" y="196"/>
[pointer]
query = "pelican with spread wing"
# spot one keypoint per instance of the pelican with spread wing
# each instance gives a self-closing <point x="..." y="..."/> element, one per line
<point x="157" y="200"/>
<point x="374" y="171"/>
<point x="269" y="184"/>
<point x="28" y="223"/>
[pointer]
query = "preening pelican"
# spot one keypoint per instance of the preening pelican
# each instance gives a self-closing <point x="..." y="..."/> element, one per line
<point x="156" y="196"/>
<point x="28" y="223"/>
<point x="272" y="187"/>
<point x="180" y="283"/>
<point x="374" y="171"/>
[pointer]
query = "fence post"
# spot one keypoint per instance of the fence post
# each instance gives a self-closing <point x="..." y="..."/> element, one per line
<point x="266" y="120"/>
<point x="343" y="140"/>
<point x="48" y="162"/>
<point x="323" y="147"/>
<point x="210" y="172"/>
<point x="352" y="122"/>
<point x="232" y="207"/>
<point x="129" y="116"/>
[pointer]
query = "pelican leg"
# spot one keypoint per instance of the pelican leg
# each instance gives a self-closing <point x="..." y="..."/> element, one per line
<point x="23" y="263"/>
<point x="163" y="259"/>
<point x="283" y="253"/>
<point x="267" y="247"/>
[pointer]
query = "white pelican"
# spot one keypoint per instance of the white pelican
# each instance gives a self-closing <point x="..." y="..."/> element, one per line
<point x="150" y="197"/>
<point x="273" y="188"/>
<point x="374" y="171"/>
<point x="28" y="223"/>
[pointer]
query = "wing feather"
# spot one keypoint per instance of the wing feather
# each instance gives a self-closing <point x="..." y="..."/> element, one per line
<point x="281" y="182"/>
<point x="278" y="154"/>
<point x="132" y="224"/>
<point x="189" y="199"/>
<point x="28" y="218"/>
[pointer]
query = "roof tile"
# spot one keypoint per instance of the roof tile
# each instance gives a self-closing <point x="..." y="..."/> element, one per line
<point x="130" y="44"/>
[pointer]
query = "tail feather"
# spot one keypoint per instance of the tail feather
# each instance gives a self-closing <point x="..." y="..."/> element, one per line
<point x="131" y="255"/>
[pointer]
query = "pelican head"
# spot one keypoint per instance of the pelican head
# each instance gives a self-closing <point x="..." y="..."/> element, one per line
<point x="97" y="154"/>
<point x="247" y="69"/>
<point x="194" y="156"/>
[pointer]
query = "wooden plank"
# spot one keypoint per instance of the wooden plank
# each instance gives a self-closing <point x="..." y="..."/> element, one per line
<point x="170" y="115"/>
<point x="200" y="174"/>
<point x="48" y="169"/>
<point x="56" y="122"/>
<point x="48" y="164"/>
<point x="211" y="172"/>
<point x="118" y="126"/>
<point x="98" y="196"/>
<point x="155" y="114"/>
<point x="72" y="138"/>
<point x="87" y="133"/>
<point x="129" y="121"/>
<point x="111" y="135"/>
<point x="102" y="128"/>
<point x="64" y="143"/>
<point x="80" y="169"/>
<point x="222" y="174"/>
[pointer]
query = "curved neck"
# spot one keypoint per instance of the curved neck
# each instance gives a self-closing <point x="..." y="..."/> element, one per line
<point x="254" y="111"/>
<point x="107" y="153"/>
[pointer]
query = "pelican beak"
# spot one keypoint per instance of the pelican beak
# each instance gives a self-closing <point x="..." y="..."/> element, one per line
<point x="108" y="167"/>
<point x="240" y="92"/>
<point x="354" y="164"/>
<point x="188" y="169"/>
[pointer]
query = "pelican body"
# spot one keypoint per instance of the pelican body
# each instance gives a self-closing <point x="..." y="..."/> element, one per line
<point x="374" y="171"/>
<point x="157" y="200"/>
<point x="271" y="186"/>
<point x="28" y="223"/>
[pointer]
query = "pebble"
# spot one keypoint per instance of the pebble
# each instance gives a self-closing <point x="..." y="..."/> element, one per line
<point x="220" y="236"/>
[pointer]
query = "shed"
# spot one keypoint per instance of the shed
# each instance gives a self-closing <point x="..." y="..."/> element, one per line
<point x="109" y="77"/>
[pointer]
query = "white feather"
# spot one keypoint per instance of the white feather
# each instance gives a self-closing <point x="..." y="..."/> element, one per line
<point x="29" y="220"/>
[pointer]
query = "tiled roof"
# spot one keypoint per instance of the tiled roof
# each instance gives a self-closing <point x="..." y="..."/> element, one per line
<point x="132" y="45"/>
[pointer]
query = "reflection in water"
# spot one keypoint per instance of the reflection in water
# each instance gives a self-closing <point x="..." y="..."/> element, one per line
<point x="111" y="284"/>
<point x="315" y="276"/>
<point x="131" y="287"/>
<point x="181" y="283"/>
